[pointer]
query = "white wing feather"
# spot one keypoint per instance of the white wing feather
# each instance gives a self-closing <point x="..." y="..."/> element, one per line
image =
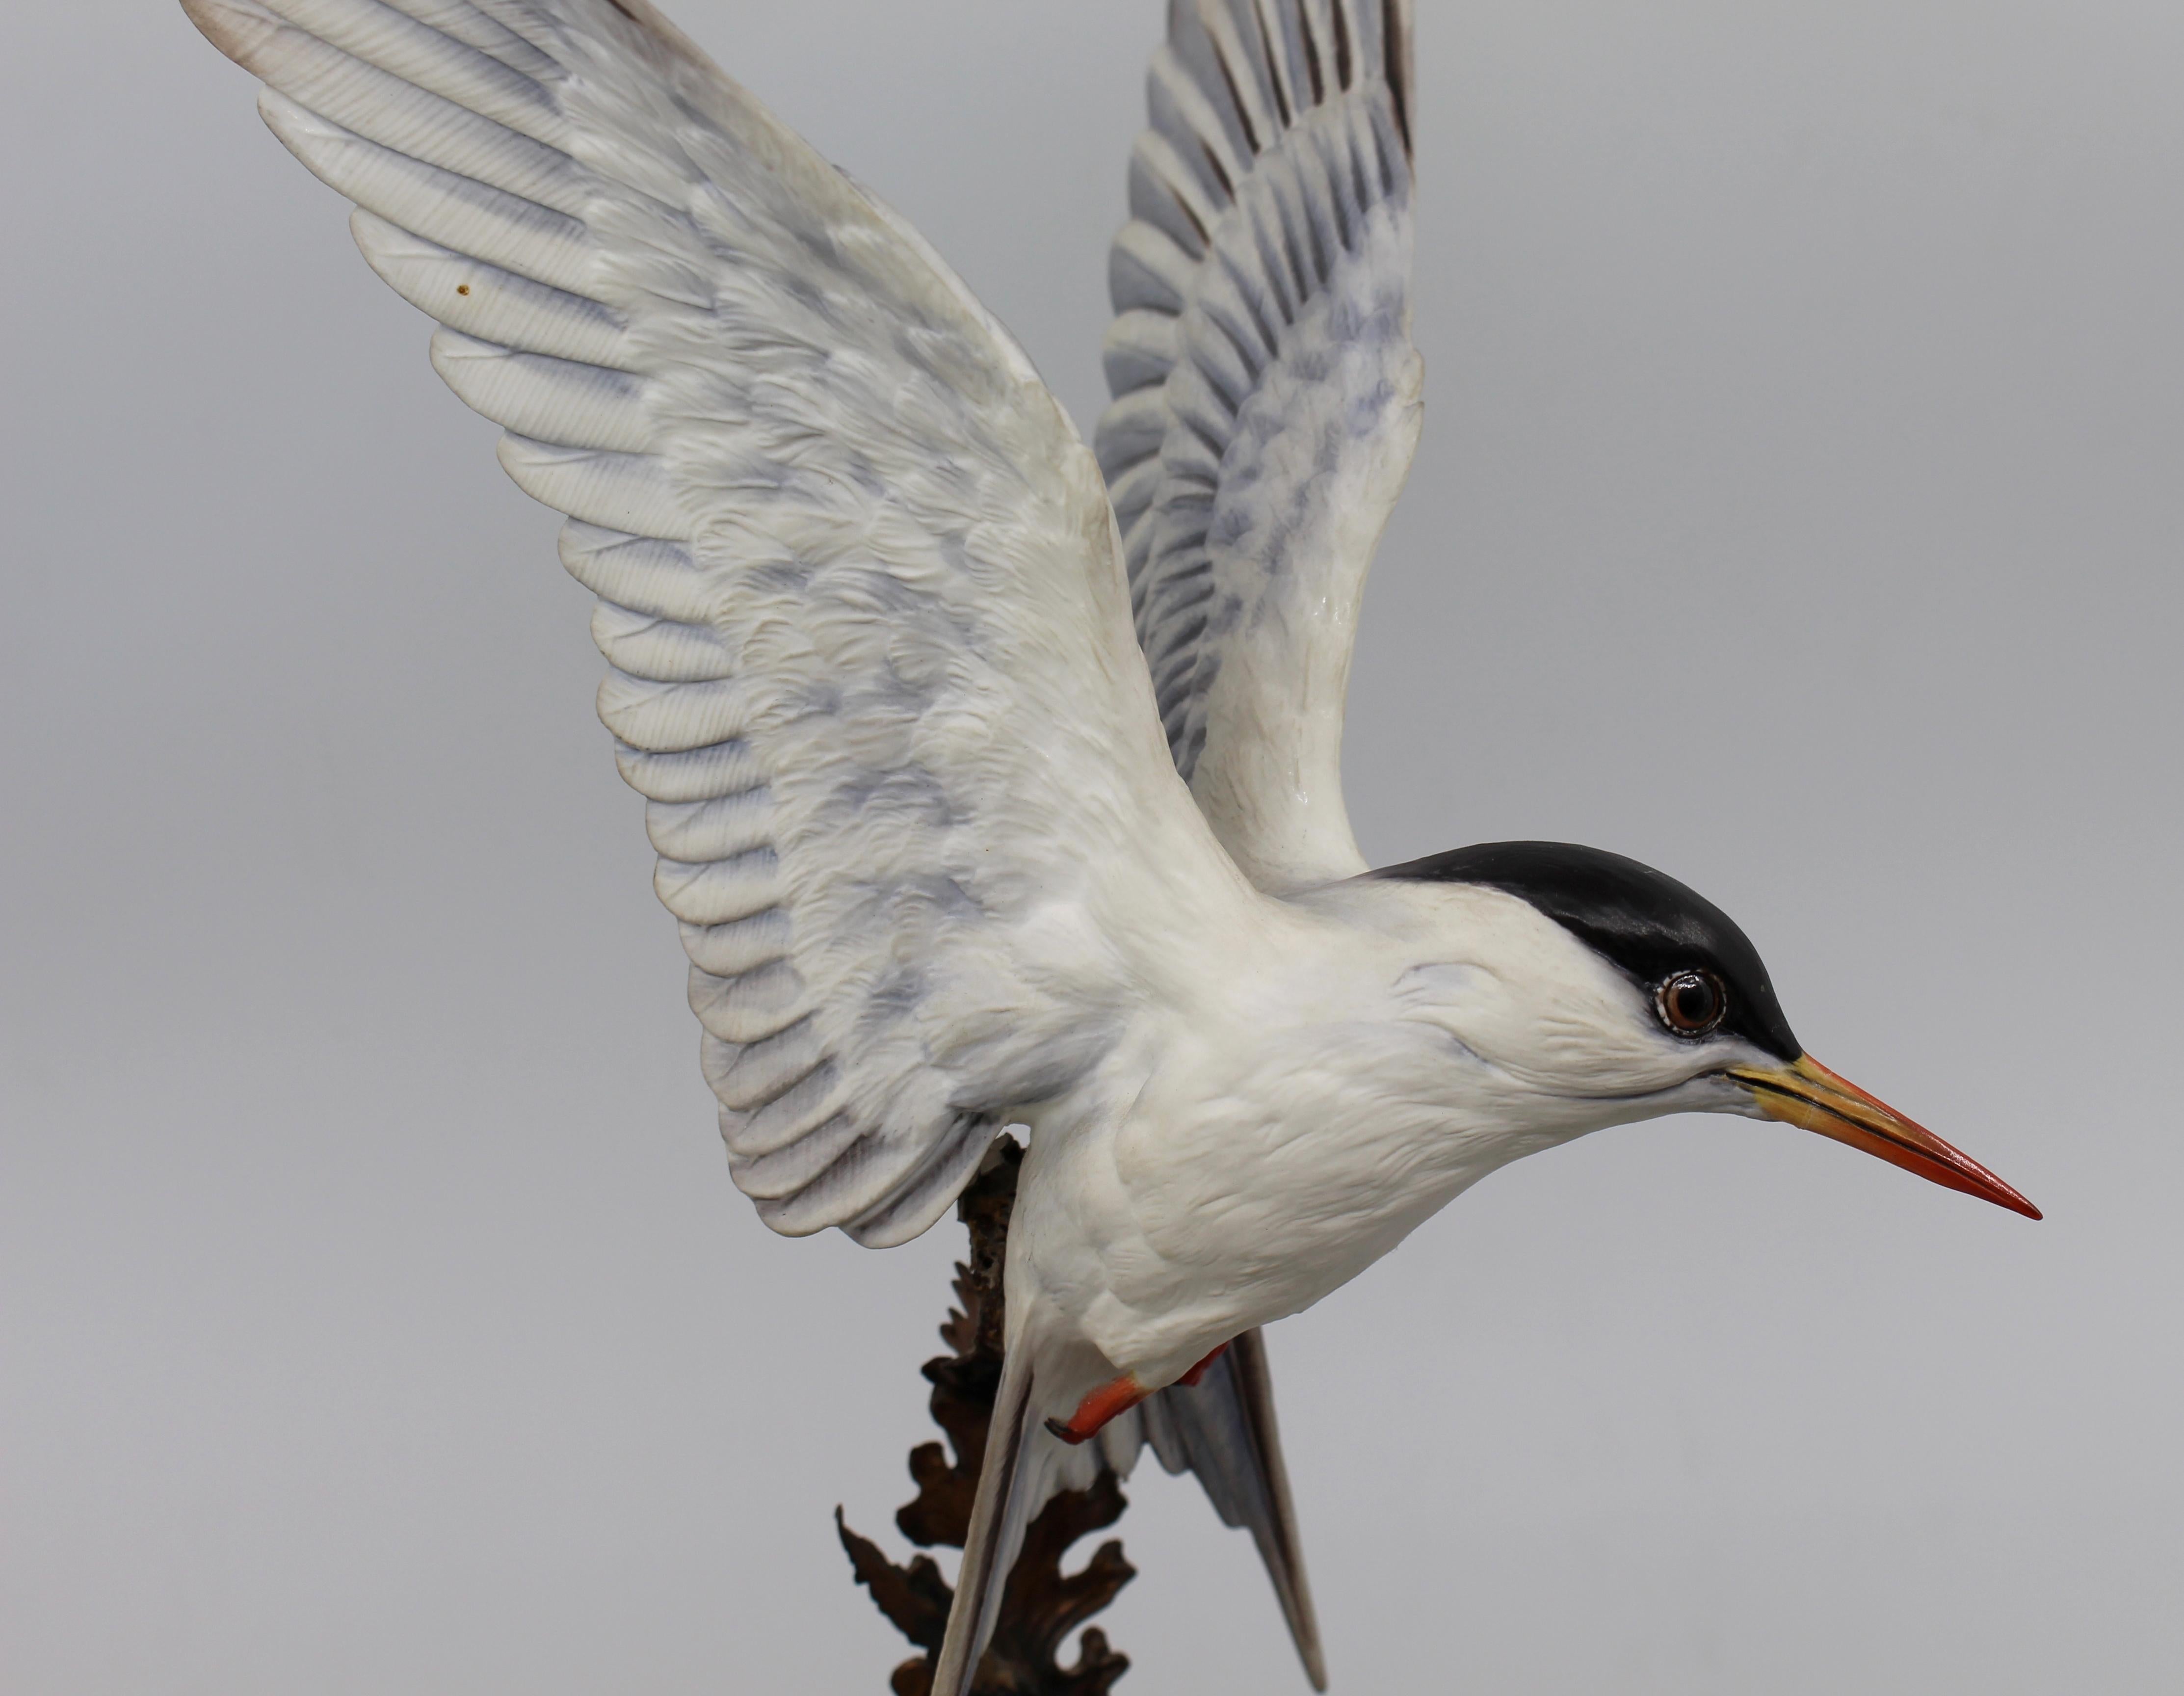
<point x="860" y="588"/>
<point x="1268" y="398"/>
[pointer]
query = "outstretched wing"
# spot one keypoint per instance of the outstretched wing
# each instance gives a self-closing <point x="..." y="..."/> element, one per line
<point x="870" y="656"/>
<point x="1267" y="398"/>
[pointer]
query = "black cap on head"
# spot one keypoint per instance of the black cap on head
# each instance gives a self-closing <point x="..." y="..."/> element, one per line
<point x="1641" y="920"/>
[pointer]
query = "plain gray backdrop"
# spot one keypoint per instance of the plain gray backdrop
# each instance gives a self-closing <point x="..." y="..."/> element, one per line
<point x="1801" y="509"/>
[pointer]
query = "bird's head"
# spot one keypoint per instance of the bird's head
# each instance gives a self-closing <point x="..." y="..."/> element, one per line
<point x="1638" y="996"/>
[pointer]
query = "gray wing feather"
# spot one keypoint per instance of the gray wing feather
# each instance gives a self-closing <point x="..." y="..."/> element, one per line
<point x="1267" y="398"/>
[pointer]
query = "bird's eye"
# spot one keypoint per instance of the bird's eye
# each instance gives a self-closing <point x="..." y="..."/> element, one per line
<point x="1693" y="1003"/>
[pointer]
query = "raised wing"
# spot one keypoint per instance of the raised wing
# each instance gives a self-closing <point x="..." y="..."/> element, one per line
<point x="860" y="593"/>
<point x="1267" y="398"/>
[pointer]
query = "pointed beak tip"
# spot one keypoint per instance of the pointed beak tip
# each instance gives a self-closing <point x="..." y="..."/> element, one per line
<point x="1807" y="1094"/>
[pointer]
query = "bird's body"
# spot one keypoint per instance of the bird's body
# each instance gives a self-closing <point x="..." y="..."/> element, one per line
<point x="996" y="782"/>
<point x="1267" y="1135"/>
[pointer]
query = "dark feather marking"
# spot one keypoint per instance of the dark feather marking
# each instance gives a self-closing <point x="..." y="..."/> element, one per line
<point x="1267" y="333"/>
<point x="1291" y="256"/>
<point x="1312" y="62"/>
<point x="1235" y="94"/>
<point x="1254" y="341"/>
<point x="1188" y="542"/>
<point x="1200" y="566"/>
<point x="1343" y="231"/>
<point x="1214" y="445"/>
<point x="1255" y="356"/>
<point x="1190" y="629"/>
<point x="1364" y="189"/>
<point x="1187" y="761"/>
<point x="845" y="1168"/>
<point x="1286" y="282"/>
<point x="1213" y="163"/>
<point x="1397" y="62"/>
<point x="1323" y="262"/>
<point x="1231" y="403"/>
<point x="1380" y="158"/>
<point x="1183" y="205"/>
<point x="1189" y="489"/>
<point x="1178" y="671"/>
<point x="1273" y="72"/>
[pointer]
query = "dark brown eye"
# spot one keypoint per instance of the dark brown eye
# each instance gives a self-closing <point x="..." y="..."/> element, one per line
<point x="1692" y="1003"/>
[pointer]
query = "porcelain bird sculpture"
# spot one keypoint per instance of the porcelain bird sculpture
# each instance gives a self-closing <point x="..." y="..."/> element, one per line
<point x="994" y="782"/>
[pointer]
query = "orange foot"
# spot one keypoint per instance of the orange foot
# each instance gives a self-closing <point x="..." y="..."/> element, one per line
<point x="1113" y="1400"/>
<point x="1103" y="1404"/>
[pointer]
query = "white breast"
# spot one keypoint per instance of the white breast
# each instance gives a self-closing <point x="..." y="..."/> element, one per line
<point x="1230" y="1169"/>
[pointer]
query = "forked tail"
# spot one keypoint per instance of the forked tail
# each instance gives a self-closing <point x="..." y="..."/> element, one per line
<point x="1223" y="1429"/>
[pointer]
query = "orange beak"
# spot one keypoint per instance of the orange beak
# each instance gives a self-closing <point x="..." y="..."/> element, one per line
<point x="1806" y="1093"/>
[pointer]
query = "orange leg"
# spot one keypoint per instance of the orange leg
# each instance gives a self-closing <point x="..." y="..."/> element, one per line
<point x="1102" y="1405"/>
<point x="1113" y="1400"/>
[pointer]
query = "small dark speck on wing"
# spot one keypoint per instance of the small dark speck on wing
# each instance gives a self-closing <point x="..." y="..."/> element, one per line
<point x="462" y="288"/>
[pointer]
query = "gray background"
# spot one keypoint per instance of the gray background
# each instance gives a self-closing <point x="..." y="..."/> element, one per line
<point x="1799" y="510"/>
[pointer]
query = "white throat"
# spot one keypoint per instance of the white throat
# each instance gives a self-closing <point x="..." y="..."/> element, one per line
<point x="1376" y="1051"/>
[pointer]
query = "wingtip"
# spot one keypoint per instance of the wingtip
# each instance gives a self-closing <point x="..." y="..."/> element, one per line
<point x="1305" y="1634"/>
<point x="226" y="25"/>
<point x="1242" y="1398"/>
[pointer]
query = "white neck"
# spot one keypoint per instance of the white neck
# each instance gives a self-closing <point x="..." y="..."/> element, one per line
<point x="1267" y="1142"/>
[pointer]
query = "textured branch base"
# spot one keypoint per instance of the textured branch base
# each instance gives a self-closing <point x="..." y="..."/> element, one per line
<point x="1041" y="1605"/>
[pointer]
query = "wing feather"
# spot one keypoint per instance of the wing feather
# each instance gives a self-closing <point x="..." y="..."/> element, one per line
<point x="1267" y="398"/>
<point x="861" y="595"/>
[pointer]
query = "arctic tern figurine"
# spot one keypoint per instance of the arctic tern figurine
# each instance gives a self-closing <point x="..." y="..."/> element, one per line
<point x="994" y="783"/>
